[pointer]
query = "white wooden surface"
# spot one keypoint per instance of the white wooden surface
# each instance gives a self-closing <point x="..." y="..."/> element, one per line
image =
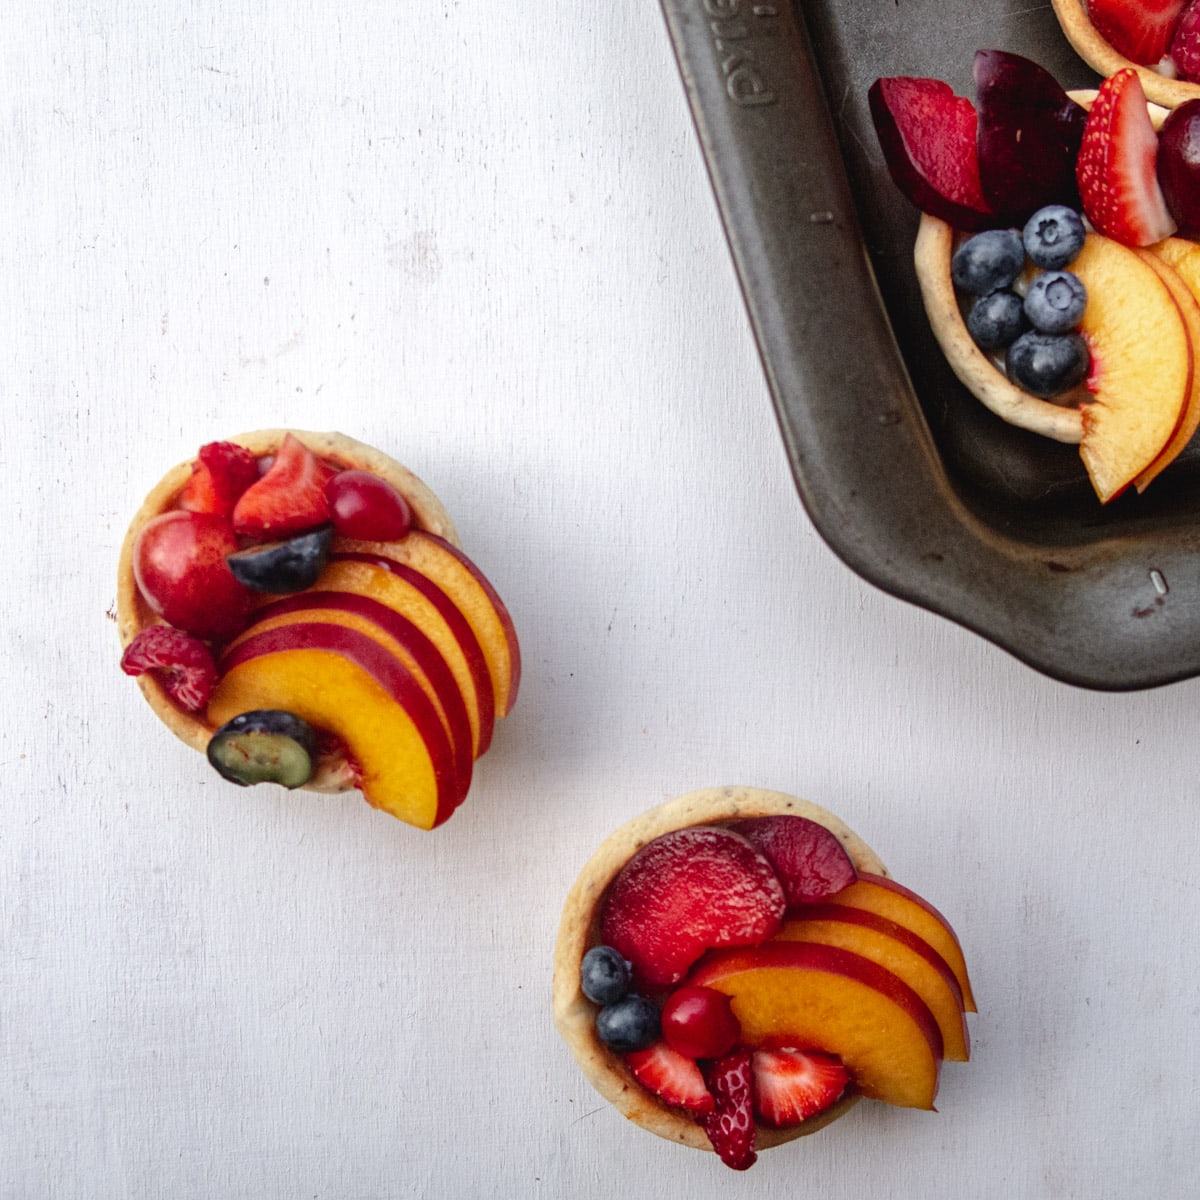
<point x="480" y="236"/>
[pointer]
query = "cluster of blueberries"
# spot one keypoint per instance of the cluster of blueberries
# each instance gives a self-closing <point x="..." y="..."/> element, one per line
<point x="1043" y="352"/>
<point x="626" y="1021"/>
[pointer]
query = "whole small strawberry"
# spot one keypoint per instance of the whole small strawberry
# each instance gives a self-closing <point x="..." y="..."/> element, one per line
<point x="182" y="663"/>
<point x="730" y="1126"/>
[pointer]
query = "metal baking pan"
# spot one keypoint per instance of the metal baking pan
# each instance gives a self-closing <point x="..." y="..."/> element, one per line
<point x="910" y="480"/>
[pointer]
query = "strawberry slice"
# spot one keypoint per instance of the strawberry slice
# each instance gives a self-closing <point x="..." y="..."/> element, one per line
<point x="685" y="892"/>
<point x="1138" y="29"/>
<point x="730" y="1126"/>
<point x="1185" y="45"/>
<point x="183" y="664"/>
<point x="221" y="473"/>
<point x="1116" y="170"/>
<point x="792" y="1085"/>
<point x="289" y="498"/>
<point x="673" y="1078"/>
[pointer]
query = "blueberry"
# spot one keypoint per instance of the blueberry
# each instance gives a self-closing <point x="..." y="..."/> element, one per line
<point x="264" y="746"/>
<point x="1053" y="236"/>
<point x="283" y="567"/>
<point x="988" y="261"/>
<point x="996" y="319"/>
<point x="1055" y="302"/>
<point x="1047" y="364"/>
<point x="604" y="975"/>
<point x="631" y="1023"/>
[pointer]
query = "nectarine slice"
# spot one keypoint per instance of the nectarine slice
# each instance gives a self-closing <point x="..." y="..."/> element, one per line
<point x="1177" y="263"/>
<point x="345" y="683"/>
<point x="466" y="585"/>
<point x="816" y="997"/>
<point x="884" y="896"/>
<point x="397" y="634"/>
<point x="1141" y="373"/>
<point x="425" y="604"/>
<point x="900" y="951"/>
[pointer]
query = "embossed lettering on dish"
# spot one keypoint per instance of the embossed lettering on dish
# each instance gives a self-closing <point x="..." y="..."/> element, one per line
<point x="734" y="25"/>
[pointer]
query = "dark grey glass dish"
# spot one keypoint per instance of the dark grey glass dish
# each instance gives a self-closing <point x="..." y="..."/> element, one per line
<point x="909" y="479"/>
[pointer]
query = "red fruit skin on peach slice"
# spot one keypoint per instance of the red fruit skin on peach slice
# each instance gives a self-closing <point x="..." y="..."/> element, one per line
<point x="928" y="138"/>
<point x="686" y="892"/>
<point x="810" y="861"/>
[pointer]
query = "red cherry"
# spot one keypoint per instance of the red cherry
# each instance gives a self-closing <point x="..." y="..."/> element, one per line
<point x="698" y="1022"/>
<point x="366" y="507"/>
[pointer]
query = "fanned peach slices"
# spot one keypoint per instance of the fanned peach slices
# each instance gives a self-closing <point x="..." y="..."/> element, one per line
<point x="298" y="606"/>
<point x="736" y="968"/>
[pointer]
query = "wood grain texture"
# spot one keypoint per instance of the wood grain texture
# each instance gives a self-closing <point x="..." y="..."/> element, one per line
<point x="480" y="238"/>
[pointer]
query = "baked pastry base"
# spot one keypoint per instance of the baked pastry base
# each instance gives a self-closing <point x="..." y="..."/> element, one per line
<point x="574" y="1014"/>
<point x="134" y="614"/>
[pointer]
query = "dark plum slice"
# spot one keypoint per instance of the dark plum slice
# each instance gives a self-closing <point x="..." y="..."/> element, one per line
<point x="809" y="859"/>
<point x="1028" y="137"/>
<point x="283" y="567"/>
<point x="264" y="746"/>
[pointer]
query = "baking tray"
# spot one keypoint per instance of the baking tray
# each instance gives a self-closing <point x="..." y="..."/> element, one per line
<point x="909" y="479"/>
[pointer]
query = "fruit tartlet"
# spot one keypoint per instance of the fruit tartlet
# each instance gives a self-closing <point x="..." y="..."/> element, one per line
<point x="1056" y="254"/>
<point x="1160" y="39"/>
<point x="736" y="968"/>
<point x="298" y="607"/>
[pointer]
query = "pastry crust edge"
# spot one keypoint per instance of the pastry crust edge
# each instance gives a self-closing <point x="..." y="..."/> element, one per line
<point x="574" y="1014"/>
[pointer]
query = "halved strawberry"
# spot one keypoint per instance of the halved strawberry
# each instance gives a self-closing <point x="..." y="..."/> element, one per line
<point x="1116" y="170"/>
<point x="289" y="498"/>
<point x="673" y="1078"/>
<point x="730" y="1126"/>
<point x="1185" y="45"/>
<point x="221" y="473"/>
<point x="1139" y="29"/>
<point x="792" y="1085"/>
<point x="183" y="664"/>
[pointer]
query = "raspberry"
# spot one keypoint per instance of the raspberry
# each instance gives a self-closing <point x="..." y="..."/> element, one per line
<point x="182" y="663"/>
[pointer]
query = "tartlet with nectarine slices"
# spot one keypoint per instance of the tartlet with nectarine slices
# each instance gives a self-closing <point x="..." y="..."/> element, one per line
<point x="1055" y="255"/>
<point x="298" y="607"/>
<point x="736" y="968"/>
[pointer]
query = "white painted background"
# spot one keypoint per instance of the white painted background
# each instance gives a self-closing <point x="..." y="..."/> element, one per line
<point x="480" y="236"/>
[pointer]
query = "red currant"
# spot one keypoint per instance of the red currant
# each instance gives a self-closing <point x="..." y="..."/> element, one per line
<point x="698" y="1022"/>
<point x="364" y="506"/>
